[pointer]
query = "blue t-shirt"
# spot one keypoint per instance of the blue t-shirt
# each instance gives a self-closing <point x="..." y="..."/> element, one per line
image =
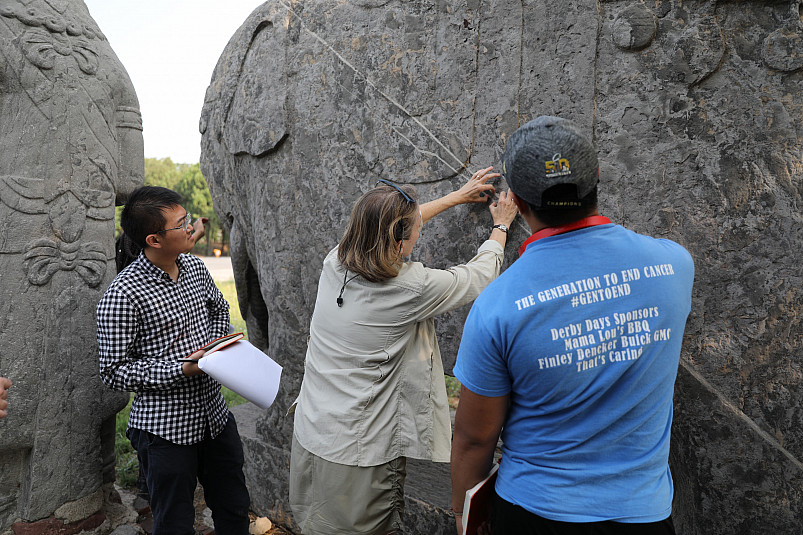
<point x="583" y="332"/>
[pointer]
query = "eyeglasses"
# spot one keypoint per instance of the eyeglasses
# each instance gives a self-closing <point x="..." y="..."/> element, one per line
<point x="184" y="226"/>
<point x="397" y="188"/>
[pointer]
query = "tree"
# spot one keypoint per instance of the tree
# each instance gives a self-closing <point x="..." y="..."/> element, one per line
<point x="162" y="172"/>
<point x="193" y="188"/>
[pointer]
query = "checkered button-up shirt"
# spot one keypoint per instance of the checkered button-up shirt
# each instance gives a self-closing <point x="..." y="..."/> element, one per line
<point x="146" y="321"/>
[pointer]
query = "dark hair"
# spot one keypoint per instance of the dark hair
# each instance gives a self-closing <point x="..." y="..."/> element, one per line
<point x="143" y="213"/>
<point x="379" y="220"/>
<point x="126" y="251"/>
<point x="555" y="217"/>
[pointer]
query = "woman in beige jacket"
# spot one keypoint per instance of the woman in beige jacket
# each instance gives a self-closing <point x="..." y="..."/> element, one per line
<point x="373" y="391"/>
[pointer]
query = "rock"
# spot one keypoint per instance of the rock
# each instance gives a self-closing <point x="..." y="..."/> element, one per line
<point x="81" y="508"/>
<point x="125" y="530"/>
<point x="260" y="526"/>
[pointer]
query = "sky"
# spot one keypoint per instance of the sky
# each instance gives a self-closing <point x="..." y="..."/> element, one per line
<point x="170" y="48"/>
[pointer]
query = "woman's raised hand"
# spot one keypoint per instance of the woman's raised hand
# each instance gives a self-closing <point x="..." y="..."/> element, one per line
<point x="503" y="210"/>
<point x="476" y="189"/>
<point x="199" y="229"/>
<point x="473" y="191"/>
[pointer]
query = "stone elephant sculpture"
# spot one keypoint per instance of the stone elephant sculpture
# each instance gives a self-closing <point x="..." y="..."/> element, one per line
<point x="696" y="111"/>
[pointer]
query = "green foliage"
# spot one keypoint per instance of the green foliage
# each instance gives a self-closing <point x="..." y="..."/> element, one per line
<point x="127" y="465"/>
<point x="197" y="200"/>
<point x="236" y="319"/>
<point x="232" y="398"/>
<point x="162" y="172"/>
<point x="117" y="228"/>
<point x="452" y="387"/>
<point x="195" y="190"/>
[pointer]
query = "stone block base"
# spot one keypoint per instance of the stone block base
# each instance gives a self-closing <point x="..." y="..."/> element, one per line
<point x="54" y="526"/>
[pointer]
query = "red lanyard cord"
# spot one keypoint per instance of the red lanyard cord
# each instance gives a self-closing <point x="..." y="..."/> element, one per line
<point x="586" y="222"/>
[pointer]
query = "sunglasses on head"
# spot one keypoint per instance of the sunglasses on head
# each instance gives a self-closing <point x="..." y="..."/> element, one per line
<point x="397" y="188"/>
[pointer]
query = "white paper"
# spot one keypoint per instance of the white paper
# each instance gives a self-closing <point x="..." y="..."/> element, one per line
<point x="246" y="370"/>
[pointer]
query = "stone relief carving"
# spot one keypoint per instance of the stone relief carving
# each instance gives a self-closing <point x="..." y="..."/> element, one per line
<point x="696" y="109"/>
<point x="635" y="27"/>
<point x="71" y="138"/>
<point x="782" y="48"/>
<point x="705" y="125"/>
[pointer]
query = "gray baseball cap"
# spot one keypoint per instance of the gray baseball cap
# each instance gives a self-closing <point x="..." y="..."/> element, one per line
<point x="546" y="152"/>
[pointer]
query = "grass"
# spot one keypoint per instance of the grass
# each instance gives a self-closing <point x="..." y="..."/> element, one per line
<point x="236" y="319"/>
<point x="453" y="390"/>
<point x="230" y="294"/>
<point x="127" y="466"/>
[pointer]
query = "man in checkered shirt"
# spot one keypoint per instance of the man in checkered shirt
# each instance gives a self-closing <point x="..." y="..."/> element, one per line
<point x="159" y="309"/>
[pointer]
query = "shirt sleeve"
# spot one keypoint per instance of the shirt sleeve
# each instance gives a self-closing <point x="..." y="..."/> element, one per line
<point x="447" y="289"/>
<point x="481" y="366"/>
<point x="121" y="368"/>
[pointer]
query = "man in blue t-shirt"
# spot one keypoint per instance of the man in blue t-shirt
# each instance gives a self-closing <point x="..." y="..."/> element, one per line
<point x="572" y="355"/>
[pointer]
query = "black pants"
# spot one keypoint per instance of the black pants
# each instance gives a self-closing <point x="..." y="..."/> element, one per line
<point x="172" y="472"/>
<point x="509" y="519"/>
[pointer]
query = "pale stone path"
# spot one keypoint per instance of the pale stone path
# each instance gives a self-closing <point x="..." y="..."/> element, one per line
<point x="219" y="267"/>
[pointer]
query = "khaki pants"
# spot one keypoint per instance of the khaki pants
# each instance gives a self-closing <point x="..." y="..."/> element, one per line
<point x="336" y="499"/>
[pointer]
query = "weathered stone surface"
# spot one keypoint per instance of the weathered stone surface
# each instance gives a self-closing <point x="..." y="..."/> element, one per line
<point x="81" y="508"/>
<point x="266" y="466"/>
<point x="125" y="530"/>
<point x="701" y="140"/>
<point x="696" y="109"/>
<point x="71" y="145"/>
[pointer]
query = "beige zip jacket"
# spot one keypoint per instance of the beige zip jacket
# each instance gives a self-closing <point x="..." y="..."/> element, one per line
<point x="373" y="387"/>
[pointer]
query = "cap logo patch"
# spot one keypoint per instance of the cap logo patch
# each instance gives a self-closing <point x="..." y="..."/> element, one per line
<point x="557" y="166"/>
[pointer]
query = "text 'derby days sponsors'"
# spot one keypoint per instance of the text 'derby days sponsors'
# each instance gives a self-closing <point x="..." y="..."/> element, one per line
<point x="595" y="341"/>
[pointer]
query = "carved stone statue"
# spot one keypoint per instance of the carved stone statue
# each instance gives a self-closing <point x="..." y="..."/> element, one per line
<point x="71" y="145"/>
<point x="696" y="108"/>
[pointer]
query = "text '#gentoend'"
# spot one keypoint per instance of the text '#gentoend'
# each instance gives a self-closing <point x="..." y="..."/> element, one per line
<point x="570" y="288"/>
